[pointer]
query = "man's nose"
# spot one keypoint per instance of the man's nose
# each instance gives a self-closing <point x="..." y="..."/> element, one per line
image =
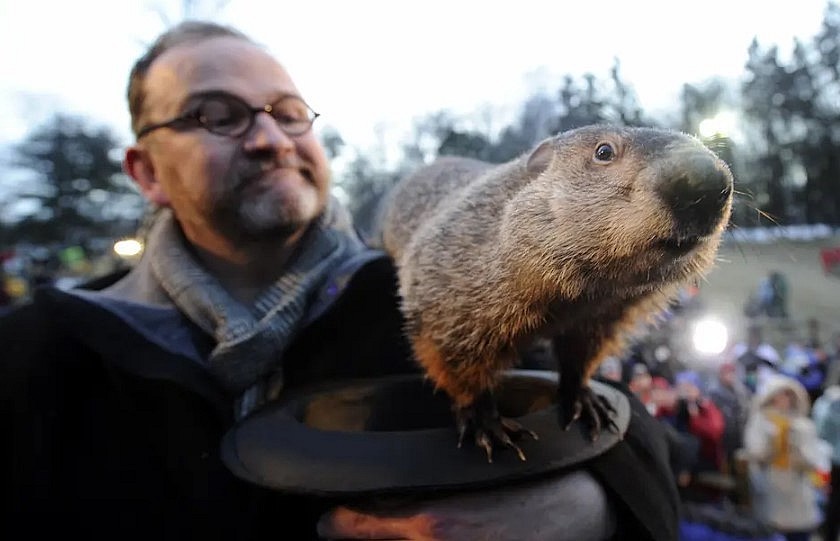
<point x="266" y="134"/>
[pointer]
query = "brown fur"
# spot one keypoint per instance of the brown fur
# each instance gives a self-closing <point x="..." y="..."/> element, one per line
<point x="552" y="244"/>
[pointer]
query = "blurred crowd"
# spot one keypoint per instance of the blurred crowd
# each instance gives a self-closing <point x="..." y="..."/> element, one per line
<point x="22" y="271"/>
<point x="759" y="429"/>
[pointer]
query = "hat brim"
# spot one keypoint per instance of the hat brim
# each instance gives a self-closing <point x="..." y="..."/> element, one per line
<point x="395" y="434"/>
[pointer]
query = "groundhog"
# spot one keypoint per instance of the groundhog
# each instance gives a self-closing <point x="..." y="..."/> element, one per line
<point x="576" y="241"/>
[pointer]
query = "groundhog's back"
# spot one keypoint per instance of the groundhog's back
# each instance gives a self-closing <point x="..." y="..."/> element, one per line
<point x="422" y="194"/>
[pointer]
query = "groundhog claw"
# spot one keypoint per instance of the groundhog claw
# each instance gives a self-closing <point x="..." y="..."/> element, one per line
<point x="593" y="409"/>
<point x="483" y="420"/>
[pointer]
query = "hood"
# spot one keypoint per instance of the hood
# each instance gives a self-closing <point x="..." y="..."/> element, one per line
<point x="832" y="392"/>
<point x="778" y="383"/>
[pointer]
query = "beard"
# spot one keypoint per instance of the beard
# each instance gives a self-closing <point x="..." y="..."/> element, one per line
<point x="266" y="205"/>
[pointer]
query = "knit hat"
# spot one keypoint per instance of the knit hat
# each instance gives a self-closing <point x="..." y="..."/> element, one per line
<point x="689" y="376"/>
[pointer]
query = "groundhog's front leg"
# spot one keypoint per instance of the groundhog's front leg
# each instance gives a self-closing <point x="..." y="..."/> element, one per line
<point x="577" y="355"/>
<point x="469" y="384"/>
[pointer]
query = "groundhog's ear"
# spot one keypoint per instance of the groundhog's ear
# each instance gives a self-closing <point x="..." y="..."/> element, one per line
<point x="540" y="157"/>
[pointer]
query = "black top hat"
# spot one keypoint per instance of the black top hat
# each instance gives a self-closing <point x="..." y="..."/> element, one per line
<point x="395" y="434"/>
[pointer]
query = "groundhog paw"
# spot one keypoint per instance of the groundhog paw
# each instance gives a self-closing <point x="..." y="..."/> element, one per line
<point x="592" y="409"/>
<point x="488" y="428"/>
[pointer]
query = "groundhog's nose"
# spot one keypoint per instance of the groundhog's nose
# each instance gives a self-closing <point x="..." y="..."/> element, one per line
<point x="697" y="194"/>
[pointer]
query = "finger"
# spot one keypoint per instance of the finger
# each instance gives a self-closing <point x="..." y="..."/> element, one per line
<point x="345" y="523"/>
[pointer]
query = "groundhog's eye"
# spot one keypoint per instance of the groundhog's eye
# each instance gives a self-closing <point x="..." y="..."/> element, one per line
<point x="604" y="153"/>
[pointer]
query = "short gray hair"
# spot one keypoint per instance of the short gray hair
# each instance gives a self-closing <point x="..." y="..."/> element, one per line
<point x="182" y="33"/>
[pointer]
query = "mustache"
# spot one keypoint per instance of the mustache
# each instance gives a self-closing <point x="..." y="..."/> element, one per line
<point x="256" y="167"/>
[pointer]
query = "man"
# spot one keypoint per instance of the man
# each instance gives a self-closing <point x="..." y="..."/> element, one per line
<point x="832" y="372"/>
<point x="756" y="359"/>
<point x="611" y="369"/>
<point x="826" y="415"/>
<point x="116" y="396"/>
<point x="694" y="413"/>
<point x="732" y="398"/>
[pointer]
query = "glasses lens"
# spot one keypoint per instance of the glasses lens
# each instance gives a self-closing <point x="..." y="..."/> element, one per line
<point x="225" y="116"/>
<point x="293" y="115"/>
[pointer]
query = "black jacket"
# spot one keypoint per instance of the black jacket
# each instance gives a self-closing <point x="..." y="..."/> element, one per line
<point x="105" y="434"/>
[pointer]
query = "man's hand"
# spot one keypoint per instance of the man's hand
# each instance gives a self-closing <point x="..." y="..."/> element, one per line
<point x="573" y="506"/>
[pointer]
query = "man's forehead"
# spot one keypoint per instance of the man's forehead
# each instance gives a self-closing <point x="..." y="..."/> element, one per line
<point x="229" y="64"/>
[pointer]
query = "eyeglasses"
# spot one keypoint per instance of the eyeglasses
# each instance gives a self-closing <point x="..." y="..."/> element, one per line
<point x="225" y="114"/>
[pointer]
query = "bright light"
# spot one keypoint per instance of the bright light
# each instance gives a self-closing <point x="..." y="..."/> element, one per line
<point x="128" y="247"/>
<point x="710" y="336"/>
<point x="662" y="353"/>
<point x="722" y="124"/>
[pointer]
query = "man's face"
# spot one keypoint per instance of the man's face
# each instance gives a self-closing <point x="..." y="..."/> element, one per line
<point x="727" y="375"/>
<point x="260" y="185"/>
<point x="640" y="382"/>
<point x="783" y="400"/>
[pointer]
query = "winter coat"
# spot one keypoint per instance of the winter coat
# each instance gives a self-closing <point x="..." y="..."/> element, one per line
<point x="707" y="425"/>
<point x="113" y="431"/>
<point x="733" y="403"/>
<point x="826" y="415"/>
<point x="783" y="450"/>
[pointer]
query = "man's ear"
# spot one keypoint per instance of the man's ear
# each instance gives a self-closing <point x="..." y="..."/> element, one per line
<point x="138" y="166"/>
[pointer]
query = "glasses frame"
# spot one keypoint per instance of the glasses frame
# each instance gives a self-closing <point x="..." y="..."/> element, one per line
<point x="192" y="118"/>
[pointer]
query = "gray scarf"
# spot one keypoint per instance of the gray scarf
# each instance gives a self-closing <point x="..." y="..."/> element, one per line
<point x="250" y="340"/>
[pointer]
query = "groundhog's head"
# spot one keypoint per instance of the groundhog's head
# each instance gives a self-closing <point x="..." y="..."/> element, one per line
<point x="623" y="210"/>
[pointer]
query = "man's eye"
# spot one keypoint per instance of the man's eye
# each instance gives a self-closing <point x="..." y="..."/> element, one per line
<point x="287" y="119"/>
<point x="291" y="110"/>
<point x="218" y="113"/>
<point x="286" y="115"/>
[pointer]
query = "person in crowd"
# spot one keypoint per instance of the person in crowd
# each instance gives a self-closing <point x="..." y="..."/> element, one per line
<point x="6" y="299"/>
<point x="653" y="391"/>
<point x="826" y="415"/>
<point x="813" y="338"/>
<point x="657" y="395"/>
<point x="694" y="413"/>
<point x="41" y="271"/>
<point x="755" y="358"/>
<point x="771" y="297"/>
<point x="115" y="396"/>
<point x="732" y="398"/>
<point x="783" y="450"/>
<point x="832" y="362"/>
<point x="803" y="363"/>
<point x="611" y="369"/>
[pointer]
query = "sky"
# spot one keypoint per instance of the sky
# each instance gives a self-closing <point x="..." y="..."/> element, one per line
<point x="371" y="67"/>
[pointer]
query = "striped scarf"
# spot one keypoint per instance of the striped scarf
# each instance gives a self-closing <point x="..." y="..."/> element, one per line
<point x="250" y="340"/>
<point x="781" y="458"/>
